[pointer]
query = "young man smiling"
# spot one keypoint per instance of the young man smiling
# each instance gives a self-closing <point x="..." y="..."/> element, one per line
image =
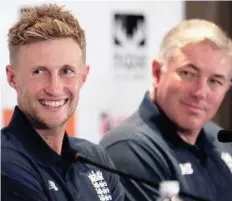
<point x="47" y="69"/>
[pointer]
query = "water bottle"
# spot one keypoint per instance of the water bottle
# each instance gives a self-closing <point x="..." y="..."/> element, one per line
<point x="169" y="191"/>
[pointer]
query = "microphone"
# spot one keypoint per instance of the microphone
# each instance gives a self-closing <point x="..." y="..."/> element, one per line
<point x="81" y="159"/>
<point x="224" y="136"/>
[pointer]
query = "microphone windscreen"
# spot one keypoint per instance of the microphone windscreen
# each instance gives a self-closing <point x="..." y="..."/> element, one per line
<point x="225" y="136"/>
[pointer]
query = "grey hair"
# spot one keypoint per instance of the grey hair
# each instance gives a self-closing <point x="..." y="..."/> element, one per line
<point x="192" y="31"/>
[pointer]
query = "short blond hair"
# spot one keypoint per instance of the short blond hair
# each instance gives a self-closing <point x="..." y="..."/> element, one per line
<point x="192" y="31"/>
<point x="44" y="22"/>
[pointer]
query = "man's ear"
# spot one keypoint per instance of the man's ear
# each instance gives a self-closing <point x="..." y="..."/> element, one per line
<point x="156" y="71"/>
<point x="11" y="76"/>
<point x="85" y="74"/>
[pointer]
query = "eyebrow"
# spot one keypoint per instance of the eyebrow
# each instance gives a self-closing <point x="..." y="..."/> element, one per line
<point x="198" y="70"/>
<point x="45" y="67"/>
<point x="194" y="67"/>
<point x="39" y="68"/>
<point x="67" y="66"/>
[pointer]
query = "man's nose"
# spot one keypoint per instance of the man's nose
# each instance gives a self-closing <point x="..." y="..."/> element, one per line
<point x="54" y="86"/>
<point x="200" y="89"/>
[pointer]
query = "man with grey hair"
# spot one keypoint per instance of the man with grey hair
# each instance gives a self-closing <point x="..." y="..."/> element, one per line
<point x="170" y="136"/>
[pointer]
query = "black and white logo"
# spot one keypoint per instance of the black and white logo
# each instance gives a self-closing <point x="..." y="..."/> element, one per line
<point x="129" y="30"/>
<point x="129" y="45"/>
<point x="100" y="185"/>
<point x="52" y="185"/>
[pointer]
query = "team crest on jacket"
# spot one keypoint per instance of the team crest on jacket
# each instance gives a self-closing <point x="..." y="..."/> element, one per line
<point x="100" y="185"/>
<point x="186" y="168"/>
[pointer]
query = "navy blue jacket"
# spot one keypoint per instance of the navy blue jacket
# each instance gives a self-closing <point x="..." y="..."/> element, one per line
<point x="32" y="171"/>
<point x="146" y="145"/>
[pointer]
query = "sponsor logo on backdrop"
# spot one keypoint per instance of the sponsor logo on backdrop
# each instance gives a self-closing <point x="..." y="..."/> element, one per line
<point x="109" y="121"/>
<point x="129" y="46"/>
<point x="71" y="124"/>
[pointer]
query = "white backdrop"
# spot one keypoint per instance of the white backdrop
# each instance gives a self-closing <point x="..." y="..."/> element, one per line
<point x="111" y="90"/>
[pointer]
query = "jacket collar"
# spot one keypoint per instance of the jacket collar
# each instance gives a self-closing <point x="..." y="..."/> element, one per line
<point x="156" y="119"/>
<point x="34" y="144"/>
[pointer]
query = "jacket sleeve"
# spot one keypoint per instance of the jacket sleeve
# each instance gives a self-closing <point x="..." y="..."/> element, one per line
<point x="19" y="180"/>
<point x="99" y="156"/>
<point x="116" y="188"/>
<point x="13" y="190"/>
<point x="136" y="159"/>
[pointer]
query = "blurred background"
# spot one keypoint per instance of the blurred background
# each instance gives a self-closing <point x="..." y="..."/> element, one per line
<point x="122" y="39"/>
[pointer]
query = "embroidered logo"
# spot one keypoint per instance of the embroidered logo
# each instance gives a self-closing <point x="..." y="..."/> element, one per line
<point x="227" y="158"/>
<point x="100" y="185"/>
<point x="186" y="168"/>
<point x="52" y="185"/>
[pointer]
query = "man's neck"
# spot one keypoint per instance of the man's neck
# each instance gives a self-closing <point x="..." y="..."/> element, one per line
<point x="152" y="94"/>
<point x="53" y="137"/>
<point x="189" y="137"/>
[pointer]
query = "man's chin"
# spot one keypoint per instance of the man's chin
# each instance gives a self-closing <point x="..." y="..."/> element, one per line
<point x="50" y="124"/>
<point x="192" y="125"/>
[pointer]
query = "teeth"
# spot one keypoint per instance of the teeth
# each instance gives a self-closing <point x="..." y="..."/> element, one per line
<point x="53" y="103"/>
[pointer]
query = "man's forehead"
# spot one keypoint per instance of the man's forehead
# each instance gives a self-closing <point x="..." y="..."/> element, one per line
<point x="200" y="57"/>
<point x="207" y="48"/>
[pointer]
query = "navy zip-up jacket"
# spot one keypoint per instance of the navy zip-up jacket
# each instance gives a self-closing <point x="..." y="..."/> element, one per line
<point x="146" y="145"/>
<point x="32" y="171"/>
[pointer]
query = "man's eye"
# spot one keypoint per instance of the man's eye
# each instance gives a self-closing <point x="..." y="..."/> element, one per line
<point x="38" y="71"/>
<point x="187" y="74"/>
<point x="215" y="81"/>
<point x="67" y="71"/>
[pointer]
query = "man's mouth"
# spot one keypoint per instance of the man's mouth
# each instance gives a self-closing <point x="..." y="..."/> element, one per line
<point x="53" y="103"/>
<point x="194" y="106"/>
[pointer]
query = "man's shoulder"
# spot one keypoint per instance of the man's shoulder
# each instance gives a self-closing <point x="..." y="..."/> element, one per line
<point x="133" y="129"/>
<point x="211" y="130"/>
<point x="9" y="140"/>
<point x="16" y="162"/>
<point x="89" y="150"/>
<point x="125" y="131"/>
<point x="212" y="127"/>
<point x="12" y="150"/>
<point x="81" y="144"/>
